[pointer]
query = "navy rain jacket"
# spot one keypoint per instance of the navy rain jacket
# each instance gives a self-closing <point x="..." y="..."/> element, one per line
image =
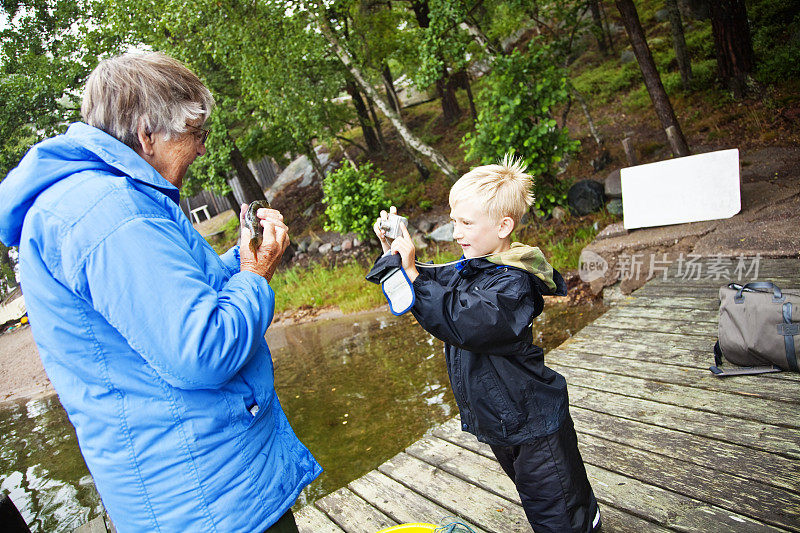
<point x="483" y="311"/>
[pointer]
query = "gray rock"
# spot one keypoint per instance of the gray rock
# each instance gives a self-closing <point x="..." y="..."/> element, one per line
<point x="325" y="248"/>
<point x="425" y="226"/>
<point x="313" y="247"/>
<point x="613" y="185"/>
<point x="615" y="206"/>
<point x="558" y="213"/>
<point x="585" y="196"/>
<point x="443" y="233"/>
<point x="419" y="241"/>
<point x="347" y="244"/>
<point x="337" y="248"/>
<point x="627" y="56"/>
<point x="356" y="242"/>
<point x="300" y="172"/>
<point x="612" y="230"/>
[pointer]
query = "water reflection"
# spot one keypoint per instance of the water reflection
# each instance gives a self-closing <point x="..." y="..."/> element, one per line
<point x="357" y="390"/>
<point x="42" y="469"/>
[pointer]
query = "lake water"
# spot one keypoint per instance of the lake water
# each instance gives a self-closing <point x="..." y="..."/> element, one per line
<point x="357" y="390"/>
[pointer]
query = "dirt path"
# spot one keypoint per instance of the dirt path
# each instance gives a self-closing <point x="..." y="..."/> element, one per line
<point x="21" y="371"/>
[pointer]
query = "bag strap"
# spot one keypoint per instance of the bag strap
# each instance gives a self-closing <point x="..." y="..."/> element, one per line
<point x="740" y="371"/>
<point x="789" y="330"/>
<point x="777" y="296"/>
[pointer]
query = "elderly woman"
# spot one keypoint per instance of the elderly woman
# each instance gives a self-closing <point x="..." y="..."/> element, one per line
<point x="154" y="343"/>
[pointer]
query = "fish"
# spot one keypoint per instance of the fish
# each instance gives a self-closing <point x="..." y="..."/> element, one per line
<point x="253" y="223"/>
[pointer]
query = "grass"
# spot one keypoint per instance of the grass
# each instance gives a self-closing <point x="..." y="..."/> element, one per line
<point x="341" y="286"/>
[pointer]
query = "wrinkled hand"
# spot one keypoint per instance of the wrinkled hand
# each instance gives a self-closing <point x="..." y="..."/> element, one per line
<point x="273" y="244"/>
<point x="405" y="247"/>
<point x="381" y="233"/>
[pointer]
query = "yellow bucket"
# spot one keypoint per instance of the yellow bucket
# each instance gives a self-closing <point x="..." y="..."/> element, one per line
<point x="410" y="528"/>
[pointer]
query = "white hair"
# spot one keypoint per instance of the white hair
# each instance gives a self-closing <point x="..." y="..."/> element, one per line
<point x="149" y="89"/>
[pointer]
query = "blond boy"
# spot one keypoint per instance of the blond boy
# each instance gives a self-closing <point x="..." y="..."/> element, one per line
<point x="482" y="308"/>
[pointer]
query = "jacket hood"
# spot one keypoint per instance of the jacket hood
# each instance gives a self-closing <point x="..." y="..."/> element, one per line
<point x="532" y="260"/>
<point x="81" y="148"/>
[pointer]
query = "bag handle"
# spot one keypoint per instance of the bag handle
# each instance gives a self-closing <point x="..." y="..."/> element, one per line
<point x="777" y="296"/>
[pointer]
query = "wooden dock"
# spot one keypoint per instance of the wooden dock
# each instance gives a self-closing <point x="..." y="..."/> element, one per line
<point x="667" y="446"/>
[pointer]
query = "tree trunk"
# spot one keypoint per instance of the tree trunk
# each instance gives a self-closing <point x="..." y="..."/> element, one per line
<point x="376" y="121"/>
<point x="406" y="135"/>
<point x="370" y="137"/>
<point x="391" y="94"/>
<point x="311" y="154"/>
<point x="461" y="78"/>
<point x="451" y="111"/>
<point x="231" y="199"/>
<point x="732" y="43"/>
<point x="661" y="103"/>
<point x="679" y="44"/>
<point x="250" y="189"/>
<point x="592" y="128"/>
<point x="597" y="27"/>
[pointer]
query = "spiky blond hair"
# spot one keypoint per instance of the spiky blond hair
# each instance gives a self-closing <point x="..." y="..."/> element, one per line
<point x="504" y="189"/>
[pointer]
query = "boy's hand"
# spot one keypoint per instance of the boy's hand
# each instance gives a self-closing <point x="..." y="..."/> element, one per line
<point x="405" y="247"/>
<point x="381" y="233"/>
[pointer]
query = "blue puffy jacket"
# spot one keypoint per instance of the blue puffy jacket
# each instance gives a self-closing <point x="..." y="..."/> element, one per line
<point x="154" y="343"/>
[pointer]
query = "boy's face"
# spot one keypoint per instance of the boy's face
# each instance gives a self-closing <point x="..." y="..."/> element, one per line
<point x="476" y="232"/>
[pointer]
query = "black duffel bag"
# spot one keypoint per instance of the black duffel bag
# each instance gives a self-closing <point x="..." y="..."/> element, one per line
<point x="759" y="329"/>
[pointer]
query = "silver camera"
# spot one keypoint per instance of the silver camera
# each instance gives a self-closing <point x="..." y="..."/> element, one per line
<point x="391" y="225"/>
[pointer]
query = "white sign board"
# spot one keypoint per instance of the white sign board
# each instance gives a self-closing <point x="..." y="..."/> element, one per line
<point x="686" y="189"/>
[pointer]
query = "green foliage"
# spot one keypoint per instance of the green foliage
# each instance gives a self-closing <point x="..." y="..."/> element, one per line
<point x="547" y="196"/>
<point x="776" y="39"/>
<point x="354" y="197"/>
<point x="515" y="113"/>
<point x="48" y="49"/>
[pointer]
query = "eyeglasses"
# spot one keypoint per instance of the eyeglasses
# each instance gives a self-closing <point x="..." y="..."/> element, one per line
<point x="199" y="133"/>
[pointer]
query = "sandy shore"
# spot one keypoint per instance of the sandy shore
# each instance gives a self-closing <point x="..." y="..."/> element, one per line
<point x="21" y="372"/>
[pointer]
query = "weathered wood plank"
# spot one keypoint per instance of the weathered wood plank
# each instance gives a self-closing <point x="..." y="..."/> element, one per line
<point x="693" y="315"/>
<point x="483" y="469"/>
<point x="598" y="358"/>
<point x="400" y="503"/>
<point x="651" y="504"/>
<point x="746" y="497"/>
<point x="309" y="519"/>
<point x="732" y="405"/>
<point x="666" y="348"/>
<point x="353" y="514"/>
<point x="466" y="464"/>
<point x="645" y="325"/>
<point x="746" y="433"/>
<point x="678" y="302"/>
<point x="765" y="467"/>
<point x="488" y="511"/>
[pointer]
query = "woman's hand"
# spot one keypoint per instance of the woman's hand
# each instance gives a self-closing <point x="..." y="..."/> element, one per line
<point x="381" y="233"/>
<point x="273" y="243"/>
<point x="405" y="247"/>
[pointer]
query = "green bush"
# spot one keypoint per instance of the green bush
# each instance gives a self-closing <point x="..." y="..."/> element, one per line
<point x="354" y="197"/>
<point x="515" y="113"/>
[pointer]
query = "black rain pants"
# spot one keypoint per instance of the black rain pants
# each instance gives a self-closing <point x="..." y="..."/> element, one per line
<point x="552" y="483"/>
